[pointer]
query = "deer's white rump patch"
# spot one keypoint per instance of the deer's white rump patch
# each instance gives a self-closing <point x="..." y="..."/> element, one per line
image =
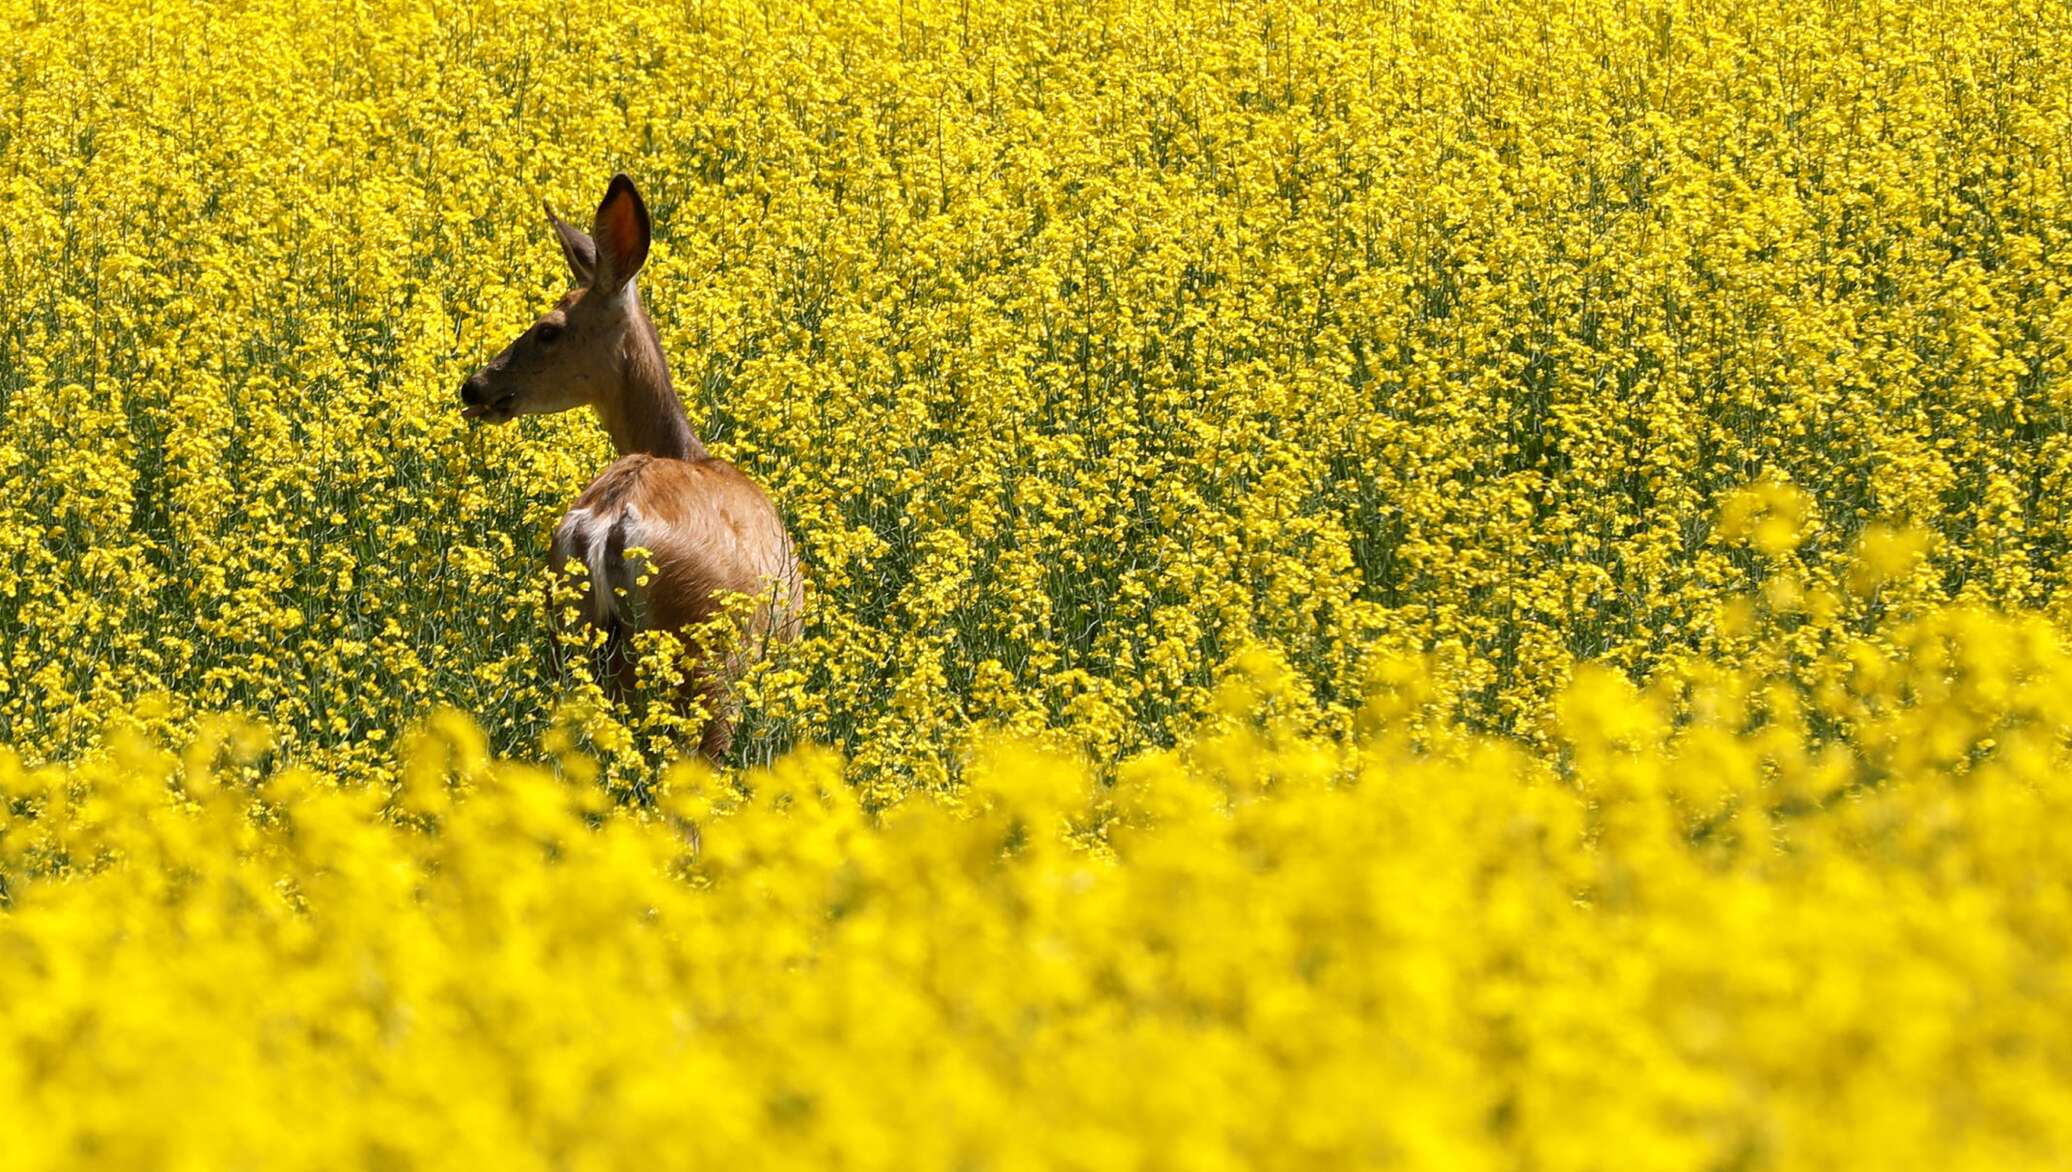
<point x="599" y="539"/>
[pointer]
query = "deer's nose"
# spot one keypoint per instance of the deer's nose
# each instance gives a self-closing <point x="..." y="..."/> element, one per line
<point x="474" y="390"/>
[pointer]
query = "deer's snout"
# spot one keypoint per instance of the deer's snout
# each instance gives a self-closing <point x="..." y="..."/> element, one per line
<point x="480" y="402"/>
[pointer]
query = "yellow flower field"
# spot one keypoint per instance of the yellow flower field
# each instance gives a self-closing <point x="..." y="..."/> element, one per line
<point x="1449" y="586"/>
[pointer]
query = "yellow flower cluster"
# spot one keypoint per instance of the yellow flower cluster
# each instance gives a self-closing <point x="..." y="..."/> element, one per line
<point x="1449" y="585"/>
<point x="1080" y="345"/>
<point x="1720" y="942"/>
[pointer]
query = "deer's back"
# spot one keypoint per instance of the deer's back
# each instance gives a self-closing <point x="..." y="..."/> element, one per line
<point x="708" y="529"/>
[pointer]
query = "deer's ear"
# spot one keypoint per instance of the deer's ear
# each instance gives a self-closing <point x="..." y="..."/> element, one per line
<point x="621" y="232"/>
<point x="580" y="250"/>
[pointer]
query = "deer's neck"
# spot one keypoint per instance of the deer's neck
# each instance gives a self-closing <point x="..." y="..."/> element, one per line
<point x="645" y="415"/>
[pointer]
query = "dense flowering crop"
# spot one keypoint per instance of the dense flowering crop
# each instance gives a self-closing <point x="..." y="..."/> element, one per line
<point x="1719" y="944"/>
<point x="1463" y="585"/>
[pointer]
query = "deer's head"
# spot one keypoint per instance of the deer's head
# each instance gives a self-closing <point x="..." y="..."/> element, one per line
<point x="576" y="353"/>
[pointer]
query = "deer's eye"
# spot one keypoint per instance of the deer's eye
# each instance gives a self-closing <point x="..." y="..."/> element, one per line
<point x="547" y="334"/>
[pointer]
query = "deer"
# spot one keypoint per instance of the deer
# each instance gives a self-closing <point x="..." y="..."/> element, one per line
<point x="709" y="532"/>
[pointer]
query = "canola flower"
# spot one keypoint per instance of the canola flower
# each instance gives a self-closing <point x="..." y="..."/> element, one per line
<point x="1080" y="346"/>
<point x="1464" y="586"/>
<point x="1712" y="943"/>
